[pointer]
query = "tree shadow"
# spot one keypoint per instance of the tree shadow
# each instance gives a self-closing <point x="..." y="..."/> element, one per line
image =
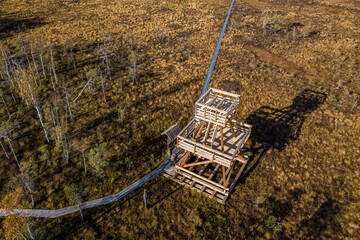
<point x="277" y="128"/>
<point x="321" y="220"/>
<point x="166" y="192"/>
<point x="10" y="25"/>
<point x="279" y="208"/>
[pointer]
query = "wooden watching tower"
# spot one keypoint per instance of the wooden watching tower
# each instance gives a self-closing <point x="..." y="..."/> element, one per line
<point x="209" y="159"/>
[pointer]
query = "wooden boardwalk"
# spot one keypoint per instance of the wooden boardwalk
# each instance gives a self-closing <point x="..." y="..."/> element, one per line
<point x="53" y="213"/>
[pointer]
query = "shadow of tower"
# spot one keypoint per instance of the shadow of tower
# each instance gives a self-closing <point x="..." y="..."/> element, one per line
<point x="277" y="128"/>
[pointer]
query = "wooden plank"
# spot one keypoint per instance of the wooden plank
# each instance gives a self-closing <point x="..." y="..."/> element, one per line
<point x="199" y="131"/>
<point x="214" y="135"/>
<point x="222" y="139"/>
<point x="201" y="181"/>
<point x="203" y="106"/>
<point x="224" y="176"/>
<point x="214" y="171"/>
<point x="197" y="163"/>
<point x="232" y="128"/>
<point x="184" y="159"/>
<point x="198" y="178"/>
<point x="183" y="178"/>
<point x="211" y="175"/>
<point x="199" y="145"/>
<point x="200" y="173"/>
<point x="237" y="177"/>
<point x="228" y="172"/>
<point x="229" y="175"/>
<point x="224" y="93"/>
<point x="220" y="103"/>
<point x="207" y="132"/>
<point x="242" y="142"/>
<point x="241" y="159"/>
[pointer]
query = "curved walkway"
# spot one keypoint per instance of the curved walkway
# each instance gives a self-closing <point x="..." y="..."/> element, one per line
<point x="48" y="213"/>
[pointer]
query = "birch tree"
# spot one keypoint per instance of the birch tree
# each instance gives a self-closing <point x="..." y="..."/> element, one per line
<point x="26" y="84"/>
<point x="6" y="64"/>
<point x="81" y="146"/>
<point x="61" y="140"/>
<point x="6" y="130"/>
<point x="67" y="102"/>
<point x="25" y="178"/>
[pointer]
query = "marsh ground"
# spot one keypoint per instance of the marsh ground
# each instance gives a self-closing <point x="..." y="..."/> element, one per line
<point x="295" y="64"/>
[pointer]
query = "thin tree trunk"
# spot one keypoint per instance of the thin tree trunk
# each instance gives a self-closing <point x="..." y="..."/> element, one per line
<point x="30" y="233"/>
<point x="68" y="103"/>
<point x="35" y="65"/>
<point x="82" y="216"/>
<point x="41" y="119"/>
<point x="23" y="235"/>
<point x="7" y="63"/>
<point x="12" y="95"/>
<point x="51" y="79"/>
<point x="13" y="152"/>
<point x="83" y="89"/>
<point x="2" y="146"/>
<point x="83" y="155"/>
<point x="42" y="64"/>
<point x="53" y="66"/>
<point x="32" y="200"/>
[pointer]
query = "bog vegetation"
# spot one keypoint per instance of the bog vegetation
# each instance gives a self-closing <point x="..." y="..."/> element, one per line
<point x="86" y="88"/>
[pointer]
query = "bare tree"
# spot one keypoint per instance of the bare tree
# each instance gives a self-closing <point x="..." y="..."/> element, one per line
<point x="67" y="101"/>
<point x="61" y="140"/>
<point x="6" y="129"/>
<point x="41" y="48"/>
<point x="26" y="176"/>
<point x="27" y="88"/>
<point x="81" y="146"/>
<point x="2" y="146"/>
<point x="90" y="76"/>
<point x="6" y="63"/>
<point x="34" y="61"/>
<point x="52" y="63"/>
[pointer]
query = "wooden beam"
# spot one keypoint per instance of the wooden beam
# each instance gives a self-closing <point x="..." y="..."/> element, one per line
<point x="222" y="138"/>
<point x="200" y="173"/>
<point x="184" y="159"/>
<point x="211" y="176"/>
<point x="197" y="163"/>
<point x="207" y="132"/>
<point x="204" y="181"/>
<point x="183" y="178"/>
<point x="241" y="159"/>
<point x="232" y="128"/>
<point x="214" y="135"/>
<point x="224" y="176"/>
<point x="198" y="133"/>
<point x="194" y="175"/>
<point x="229" y="174"/>
<point x="237" y="177"/>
